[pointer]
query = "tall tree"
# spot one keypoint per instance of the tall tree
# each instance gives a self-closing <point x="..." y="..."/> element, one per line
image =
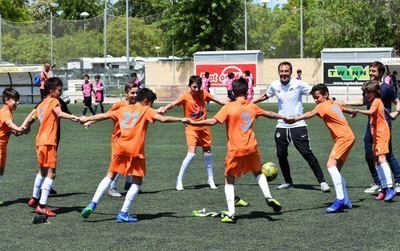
<point x="14" y="10"/>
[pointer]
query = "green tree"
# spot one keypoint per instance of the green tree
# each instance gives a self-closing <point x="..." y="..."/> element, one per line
<point x="71" y="9"/>
<point x="14" y="10"/>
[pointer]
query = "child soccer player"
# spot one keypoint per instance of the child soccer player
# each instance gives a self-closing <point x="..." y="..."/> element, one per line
<point x="332" y="114"/>
<point x="49" y="113"/>
<point x="242" y="155"/>
<point x="98" y="94"/>
<point x="10" y="99"/>
<point x="128" y="158"/>
<point x="381" y="136"/>
<point x="87" y="89"/>
<point x="194" y="105"/>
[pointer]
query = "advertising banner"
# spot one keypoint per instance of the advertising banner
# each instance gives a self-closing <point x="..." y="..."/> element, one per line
<point x="346" y="73"/>
<point x="219" y="72"/>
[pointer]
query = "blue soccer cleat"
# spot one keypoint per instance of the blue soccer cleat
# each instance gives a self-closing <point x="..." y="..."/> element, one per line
<point x="348" y="204"/>
<point x="87" y="211"/>
<point x="124" y="217"/>
<point x="337" y="206"/>
<point x="390" y="195"/>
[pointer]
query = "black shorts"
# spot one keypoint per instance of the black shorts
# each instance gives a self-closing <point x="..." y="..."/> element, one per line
<point x="87" y="101"/>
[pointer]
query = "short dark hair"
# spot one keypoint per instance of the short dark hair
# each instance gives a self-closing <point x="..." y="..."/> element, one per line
<point x="299" y="71"/>
<point x="146" y="93"/>
<point x="10" y="93"/>
<point x="195" y="79"/>
<point x="322" y="88"/>
<point x="247" y="72"/>
<point x="394" y="72"/>
<point x="134" y="74"/>
<point x="285" y="63"/>
<point x="240" y="87"/>
<point x="372" y="86"/>
<point x="231" y="75"/>
<point x="380" y="66"/>
<point x="206" y="74"/>
<point x="52" y="84"/>
<point x="86" y="75"/>
<point x="97" y="76"/>
<point x="129" y="86"/>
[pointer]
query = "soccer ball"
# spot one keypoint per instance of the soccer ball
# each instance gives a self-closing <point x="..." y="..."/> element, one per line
<point x="270" y="170"/>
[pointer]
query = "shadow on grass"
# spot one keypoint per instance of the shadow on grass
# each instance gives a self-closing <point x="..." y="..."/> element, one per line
<point x="326" y="204"/>
<point x="65" y="195"/>
<point x="258" y="215"/>
<point x="16" y="201"/>
<point x="140" y="217"/>
<point x="66" y="210"/>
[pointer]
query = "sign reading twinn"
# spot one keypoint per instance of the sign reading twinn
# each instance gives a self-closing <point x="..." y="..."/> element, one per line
<point x="346" y="73"/>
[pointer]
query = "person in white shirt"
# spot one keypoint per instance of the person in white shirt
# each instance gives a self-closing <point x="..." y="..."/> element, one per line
<point x="289" y="93"/>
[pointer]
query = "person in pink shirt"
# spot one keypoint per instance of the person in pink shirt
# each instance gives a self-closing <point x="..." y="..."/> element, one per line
<point x="135" y="79"/>
<point x="206" y="86"/>
<point x="98" y="94"/>
<point x="228" y="84"/>
<point x="87" y="89"/>
<point x="250" y="82"/>
<point x="388" y="78"/>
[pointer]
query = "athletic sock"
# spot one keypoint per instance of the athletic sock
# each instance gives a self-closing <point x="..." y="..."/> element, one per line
<point x="337" y="181"/>
<point x="230" y="198"/>
<point x="37" y="186"/>
<point x="185" y="164"/>
<point x="388" y="174"/>
<point x="130" y="197"/>
<point x="208" y="165"/>
<point x="46" y="187"/>
<point x="263" y="183"/>
<point x="114" y="183"/>
<point x="381" y="175"/>
<point x="346" y="196"/>
<point x="101" y="189"/>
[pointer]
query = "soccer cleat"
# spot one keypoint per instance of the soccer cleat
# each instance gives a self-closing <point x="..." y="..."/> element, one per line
<point x="33" y="202"/>
<point x="124" y="217"/>
<point x="127" y="186"/>
<point x="348" y="205"/>
<point x="390" y="193"/>
<point x="239" y="202"/>
<point x="114" y="193"/>
<point x="336" y="206"/>
<point x="179" y="186"/>
<point x="212" y="185"/>
<point x="397" y="188"/>
<point x="45" y="211"/>
<point x="325" y="187"/>
<point x="53" y="192"/>
<point x="229" y="219"/>
<point x="274" y="204"/>
<point x="381" y="195"/>
<point x="374" y="189"/>
<point x="87" y="211"/>
<point x="284" y="186"/>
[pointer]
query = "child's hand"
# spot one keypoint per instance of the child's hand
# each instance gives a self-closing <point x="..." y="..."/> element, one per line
<point x="354" y="113"/>
<point x="393" y="115"/>
<point x="88" y="124"/>
<point x="161" y="110"/>
<point x="83" y="119"/>
<point x="290" y="120"/>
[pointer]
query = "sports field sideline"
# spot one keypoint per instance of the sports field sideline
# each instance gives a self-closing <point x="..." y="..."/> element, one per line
<point x="165" y="220"/>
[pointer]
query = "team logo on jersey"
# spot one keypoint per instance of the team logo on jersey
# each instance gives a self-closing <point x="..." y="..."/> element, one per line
<point x="278" y="135"/>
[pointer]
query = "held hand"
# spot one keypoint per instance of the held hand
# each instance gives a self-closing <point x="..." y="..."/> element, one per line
<point x="185" y="120"/>
<point x="393" y="115"/>
<point x="83" y="119"/>
<point x="87" y="124"/>
<point x="161" y="110"/>
<point x="290" y="120"/>
<point x="354" y="113"/>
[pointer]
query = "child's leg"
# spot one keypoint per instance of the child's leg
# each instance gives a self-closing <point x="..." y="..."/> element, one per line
<point x="95" y="107"/>
<point x="46" y="186"/>
<point x="132" y="193"/>
<point x="336" y="178"/>
<point x="384" y="172"/>
<point x="230" y="194"/>
<point x="208" y="165"/>
<point x="263" y="184"/>
<point x="38" y="183"/>
<point x="84" y="110"/>
<point x="101" y="107"/>
<point x="185" y="164"/>
<point x="103" y="186"/>
<point x="91" y="109"/>
<point x="114" y="183"/>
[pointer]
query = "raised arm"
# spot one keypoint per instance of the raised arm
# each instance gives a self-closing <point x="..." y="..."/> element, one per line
<point x="94" y="118"/>
<point x="14" y="127"/>
<point x="57" y="110"/>
<point x="306" y="115"/>
<point x="365" y="112"/>
<point x="169" y="119"/>
<point x="164" y="109"/>
<point x="206" y="122"/>
<point x="28" y="121"/>
<point x="261" y="98"/>
<point x="272" y="115"/>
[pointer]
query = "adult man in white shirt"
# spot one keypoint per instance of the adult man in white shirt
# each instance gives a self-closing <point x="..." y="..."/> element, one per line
<point x="289" y="93"/>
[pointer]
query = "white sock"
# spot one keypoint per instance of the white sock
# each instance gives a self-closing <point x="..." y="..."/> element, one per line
<point x="114" y="183"/>
<point x="130" y="197"/>
<point x="388" y="174"/>
<point x="37" y="186"/>
<point x="381" y="175"/>
<point x="101" y="189"/>
<point x="46" y="187"/>
<point x="128" y="179"/>
<point x="337" y="181"/>
<point x="263" y="183"/>
<point x="230" y="198"/>
<point x="208" y="165"/>
<point x="185" y="164"/>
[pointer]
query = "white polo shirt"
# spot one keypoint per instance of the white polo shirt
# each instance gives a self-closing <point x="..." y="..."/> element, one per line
<point x="289" y="99"/>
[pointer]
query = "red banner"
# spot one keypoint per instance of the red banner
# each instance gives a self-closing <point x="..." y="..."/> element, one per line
<point x="219" y="72"/>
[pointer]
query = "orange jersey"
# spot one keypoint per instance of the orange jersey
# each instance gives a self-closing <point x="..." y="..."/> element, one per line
<point x="114" y="107"/>
<point x="5" y="132"/>
<point x="194" y="106"/>
<point x="133" y="121"/>
<point x="239" y="116"/>
<point x="379" y="126"/>
<point x="331" y="113"/>
<point x="49" y="122"/>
